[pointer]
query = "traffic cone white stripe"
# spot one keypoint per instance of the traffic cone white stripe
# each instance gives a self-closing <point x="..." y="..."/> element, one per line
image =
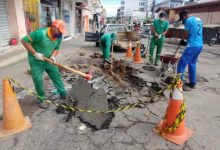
<point x="177" y="94"/>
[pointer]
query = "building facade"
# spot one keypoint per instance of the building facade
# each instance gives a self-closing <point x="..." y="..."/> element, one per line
<point x="134" y="11"/>
<point x="169" y="3"/>
<point x="26" y="16"/>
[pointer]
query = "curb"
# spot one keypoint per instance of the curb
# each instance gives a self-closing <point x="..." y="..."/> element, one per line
<point x="13" y="59"/>
<point x="10" y="49"/>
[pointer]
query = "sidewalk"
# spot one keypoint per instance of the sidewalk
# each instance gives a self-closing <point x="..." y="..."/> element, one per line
<point x="12" y="55"/>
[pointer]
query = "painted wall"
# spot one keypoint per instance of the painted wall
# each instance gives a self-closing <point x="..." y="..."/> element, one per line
<point x="129" y="6"/>
<point x="16" y="18"/>
<point x="208" y="14"/>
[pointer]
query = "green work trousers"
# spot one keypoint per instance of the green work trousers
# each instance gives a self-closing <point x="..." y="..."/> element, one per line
<point x="106" y="47"/>
<point x="153" y="44"/>
<point x="37" y="69"/>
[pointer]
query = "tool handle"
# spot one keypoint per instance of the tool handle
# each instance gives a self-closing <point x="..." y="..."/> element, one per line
<point x="112" y="56"/>
<point x="176" y="50"/>
<point x="87" y="76"/>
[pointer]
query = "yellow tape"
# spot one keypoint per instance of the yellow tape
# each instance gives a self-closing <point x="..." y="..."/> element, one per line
<point x="123" y="108"/>
<point x="179" y="118"/>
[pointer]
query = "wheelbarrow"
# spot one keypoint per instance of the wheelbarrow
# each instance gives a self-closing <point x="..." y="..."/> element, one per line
<point x="169" y="62"/>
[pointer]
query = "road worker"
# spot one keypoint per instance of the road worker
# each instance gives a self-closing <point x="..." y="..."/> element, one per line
<point x="106" y="42"/>
<point x="159" y="29"/>
<point x="194" y="47"/>
<point x="45" y="42"/>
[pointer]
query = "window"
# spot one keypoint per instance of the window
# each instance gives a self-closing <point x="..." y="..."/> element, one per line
<point x="142" y="9"/>
<point x="122" y="2"/>
<point x="116" y="28"/>
<point x="123" y="8"/>
<point x="141" y="4"/>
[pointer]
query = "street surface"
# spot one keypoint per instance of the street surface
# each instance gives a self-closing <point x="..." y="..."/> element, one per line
<point x="130" y="129"/>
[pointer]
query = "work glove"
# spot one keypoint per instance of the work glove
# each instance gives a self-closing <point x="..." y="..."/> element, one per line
<point x="159" y="36"/>
<point x="182" y="42"/>
<point x="114" y="42"/>
<point x="39" y="56"/>
<point x="53" y="58"/>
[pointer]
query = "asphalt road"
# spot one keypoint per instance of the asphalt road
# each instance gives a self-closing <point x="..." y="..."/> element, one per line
<point x="131" y="129"/>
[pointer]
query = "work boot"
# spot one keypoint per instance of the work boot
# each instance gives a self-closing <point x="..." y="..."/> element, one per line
<point x="106" y="65"/>
<point x="188" y="86"/>
<point x="192" y="86"/>
<point x="150" y="62"/>
<point x="44" y="105"/>
<point x="156" y="63"/>
<point x="108" y="61"/>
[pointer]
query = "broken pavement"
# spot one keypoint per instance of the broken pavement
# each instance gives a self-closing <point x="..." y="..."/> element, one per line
<point x="131" y="129"/>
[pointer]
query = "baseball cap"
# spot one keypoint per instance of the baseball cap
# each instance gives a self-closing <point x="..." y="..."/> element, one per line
<point x="183" y="13"/>
<point x="60" y="25"/>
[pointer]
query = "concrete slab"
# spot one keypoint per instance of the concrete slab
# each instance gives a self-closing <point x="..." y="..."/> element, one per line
<point x="89" y="98"/>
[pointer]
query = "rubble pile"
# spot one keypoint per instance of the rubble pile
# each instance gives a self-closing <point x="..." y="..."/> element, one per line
<point x="110" y="88"/>
<point x="104" y="92"/>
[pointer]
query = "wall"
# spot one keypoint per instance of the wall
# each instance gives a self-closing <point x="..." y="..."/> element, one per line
<point x="164" y="4"/>
<point x="208" y="14"/>
<point x="130" y="5"/>
<point x="139" y="14"/>
<point x="16" y="18"/>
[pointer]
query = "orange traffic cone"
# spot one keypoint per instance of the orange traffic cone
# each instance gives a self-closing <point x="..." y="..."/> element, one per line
<point x="13" y="118"/>
<point x="173" y="126"/>
<point x="129" y="51"/>
<point x="137" y="56"/>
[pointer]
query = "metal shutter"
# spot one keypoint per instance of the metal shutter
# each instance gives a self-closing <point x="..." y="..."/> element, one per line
<point x="4" y="25"/>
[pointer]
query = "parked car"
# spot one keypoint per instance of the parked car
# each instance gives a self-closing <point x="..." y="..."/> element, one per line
<point x="108" y="28"/>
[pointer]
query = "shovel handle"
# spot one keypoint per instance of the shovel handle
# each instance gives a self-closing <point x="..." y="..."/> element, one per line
<point x="176" y="50"/>
<point x="87" y="76"/>
<point x="112" y="56"/>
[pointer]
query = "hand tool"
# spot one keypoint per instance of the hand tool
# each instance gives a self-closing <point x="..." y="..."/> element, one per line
<point x="86" y="76"/>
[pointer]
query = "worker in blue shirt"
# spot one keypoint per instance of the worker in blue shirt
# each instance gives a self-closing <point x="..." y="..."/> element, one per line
<point x="194" y="47"/>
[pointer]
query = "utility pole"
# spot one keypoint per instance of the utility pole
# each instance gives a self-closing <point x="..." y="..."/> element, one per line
<point x="153" y="10"/>
<point x="146" y="6"/>
<point x="152" y="17"/>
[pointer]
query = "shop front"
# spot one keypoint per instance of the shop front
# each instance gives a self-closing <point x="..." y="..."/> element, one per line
<point x="4" y="25"/>
<point x="31" y="14"/>
<point x="49" y="12"/>
<point x="40" y="13"/>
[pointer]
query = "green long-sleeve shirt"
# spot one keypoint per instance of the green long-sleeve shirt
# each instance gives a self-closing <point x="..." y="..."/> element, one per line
<point x="42" y="43"/>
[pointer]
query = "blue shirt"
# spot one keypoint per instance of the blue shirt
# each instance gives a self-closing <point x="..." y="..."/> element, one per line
<point x="194" y="27"/>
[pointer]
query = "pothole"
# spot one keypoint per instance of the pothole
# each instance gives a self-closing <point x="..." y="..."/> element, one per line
<point x="109" y="90"/>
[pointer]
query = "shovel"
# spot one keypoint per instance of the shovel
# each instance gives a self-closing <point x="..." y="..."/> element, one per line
<point x="86" y="76"/>
<point x="111" y="66"/>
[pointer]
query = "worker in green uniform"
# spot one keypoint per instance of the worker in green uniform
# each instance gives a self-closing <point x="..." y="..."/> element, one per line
<point x="45" y="42"/>
<point x="159" y="29"/>
<point x="105" y="44"/>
